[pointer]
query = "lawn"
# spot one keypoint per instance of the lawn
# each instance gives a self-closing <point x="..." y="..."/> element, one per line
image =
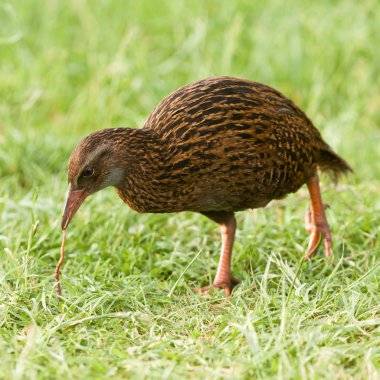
<point x="68" y="68"/>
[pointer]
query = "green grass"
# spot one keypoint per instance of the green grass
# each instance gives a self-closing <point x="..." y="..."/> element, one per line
<point x="71" y="67"/>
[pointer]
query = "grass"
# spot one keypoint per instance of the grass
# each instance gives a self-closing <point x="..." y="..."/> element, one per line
<point x="69" y="68"/>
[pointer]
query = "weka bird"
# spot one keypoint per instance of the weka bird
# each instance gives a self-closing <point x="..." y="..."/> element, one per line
<point x="215" y="146"/>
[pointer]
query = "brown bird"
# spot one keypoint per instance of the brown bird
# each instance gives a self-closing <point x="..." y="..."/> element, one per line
<point x="215" y="146"/>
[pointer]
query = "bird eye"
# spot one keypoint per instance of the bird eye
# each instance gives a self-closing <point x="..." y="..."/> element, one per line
<point x="88" y="172"/>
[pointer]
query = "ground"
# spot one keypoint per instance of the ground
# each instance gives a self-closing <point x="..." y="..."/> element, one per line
<point x="128" y="309"/>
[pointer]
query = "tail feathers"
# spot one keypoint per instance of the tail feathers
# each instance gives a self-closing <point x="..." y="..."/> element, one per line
<point x="330" y="162"/>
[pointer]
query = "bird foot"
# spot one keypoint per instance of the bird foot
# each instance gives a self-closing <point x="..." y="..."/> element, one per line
<point x="317" y="233"/>
<point x="318" y="229"/>
<point x="227" y="285"/>
<point x="309" y="226"/>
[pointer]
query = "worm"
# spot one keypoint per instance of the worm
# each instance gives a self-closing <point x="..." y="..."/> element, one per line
<point x="56" y="274"/>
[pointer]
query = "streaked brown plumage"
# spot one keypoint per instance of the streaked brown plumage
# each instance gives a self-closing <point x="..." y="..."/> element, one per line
<point x="215" y="146"/>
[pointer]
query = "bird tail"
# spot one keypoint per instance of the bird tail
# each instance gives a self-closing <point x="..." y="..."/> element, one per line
<point x="330" y="162"/>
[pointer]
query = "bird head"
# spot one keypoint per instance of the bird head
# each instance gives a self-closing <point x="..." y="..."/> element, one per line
<point x="92" y="167"/>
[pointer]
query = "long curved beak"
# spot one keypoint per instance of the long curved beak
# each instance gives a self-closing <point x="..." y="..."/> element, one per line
<point x="73" y="202"/>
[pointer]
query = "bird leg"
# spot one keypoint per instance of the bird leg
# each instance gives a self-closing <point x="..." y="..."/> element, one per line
<point x="316" y="222"/>
<point x="224" y="279"/>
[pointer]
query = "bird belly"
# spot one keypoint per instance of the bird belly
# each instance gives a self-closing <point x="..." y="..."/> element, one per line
<point x="224" y="199"/>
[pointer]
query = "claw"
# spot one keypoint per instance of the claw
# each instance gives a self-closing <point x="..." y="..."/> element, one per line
<point x="314" y="243"/>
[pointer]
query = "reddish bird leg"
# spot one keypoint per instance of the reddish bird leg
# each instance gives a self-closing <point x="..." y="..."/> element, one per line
<point x="224" y="279"/>
<point x="316" y="222"/>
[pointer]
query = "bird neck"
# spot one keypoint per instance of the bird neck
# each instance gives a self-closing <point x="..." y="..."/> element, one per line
<point x="142" y="159"/>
